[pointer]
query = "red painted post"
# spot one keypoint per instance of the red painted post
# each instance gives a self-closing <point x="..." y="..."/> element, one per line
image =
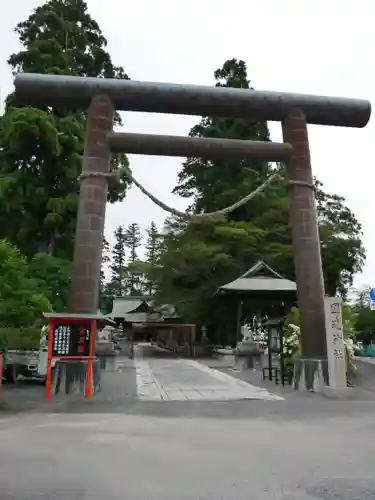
<point x="49" y="361"/>
<point x="89" y="372"/>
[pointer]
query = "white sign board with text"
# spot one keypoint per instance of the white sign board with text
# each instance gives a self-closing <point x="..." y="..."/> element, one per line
<point x="335" y="343"/>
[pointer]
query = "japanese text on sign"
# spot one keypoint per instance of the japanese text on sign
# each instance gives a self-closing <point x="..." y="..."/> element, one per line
<point x="61" y="340"/>
<point x="71" y="340"/>
<point x="337" y="333"/>
<point x="335" y="343"/>
<point x="82" y="339"/>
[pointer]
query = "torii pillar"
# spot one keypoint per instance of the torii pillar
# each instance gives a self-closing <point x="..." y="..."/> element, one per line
<point x="305" y="237"/>
<point x="84" y="292"/>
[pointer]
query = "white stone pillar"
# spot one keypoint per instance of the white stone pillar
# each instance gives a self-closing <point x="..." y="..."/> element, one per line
<point x="335" y="343"/>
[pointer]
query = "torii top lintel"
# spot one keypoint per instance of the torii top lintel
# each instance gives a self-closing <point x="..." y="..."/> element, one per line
<point x="129" y="95"/>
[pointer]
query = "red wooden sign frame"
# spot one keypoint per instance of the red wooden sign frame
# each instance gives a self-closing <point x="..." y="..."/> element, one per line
<point x="89" y="370"/>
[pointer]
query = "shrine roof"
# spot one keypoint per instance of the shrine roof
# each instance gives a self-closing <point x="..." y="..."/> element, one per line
<point x="129" y="304"/>
<point x="260" y="278"/>
<point x="99" y="316"/>
<point x="141" y="309"/>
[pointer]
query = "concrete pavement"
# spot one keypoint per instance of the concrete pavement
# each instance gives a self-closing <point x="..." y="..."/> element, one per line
<point x="119" y="446"/>
<point x="91" y="457"/>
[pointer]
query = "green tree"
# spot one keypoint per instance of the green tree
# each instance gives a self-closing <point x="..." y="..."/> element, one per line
<point x="364" y="325"/>
<point x="22" y="300"/>
<point x="118" y="282"/>
<point x="53" y="276"/>
<point x="138" y="282"/>
<point x="195" y="260"/>
<point x="363" y="317"/>
<point x="216" y="184"/>
<point x="41" y="148"/>
<point x="105" y="261"/>
<point x="133" y="240"/>
<point x="152" y="251"/>
<point x="199" y="256"/>
<point x="152" y="243"/>
<point x="362" y="298"/>
<point x="105" y="295"/>
<point x="340" y="232"/>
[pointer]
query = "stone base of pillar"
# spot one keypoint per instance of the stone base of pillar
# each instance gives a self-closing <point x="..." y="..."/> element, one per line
<point x="332" y="393"/>
<point x="310" y="374"/>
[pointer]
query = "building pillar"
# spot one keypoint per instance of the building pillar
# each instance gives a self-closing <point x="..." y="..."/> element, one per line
<point x="84" y="292"/>
<point x="305" y="236"/>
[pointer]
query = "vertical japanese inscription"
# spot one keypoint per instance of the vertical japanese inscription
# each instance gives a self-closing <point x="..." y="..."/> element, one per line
<point x="71" y="340"/>
<point x="335" y="343"/>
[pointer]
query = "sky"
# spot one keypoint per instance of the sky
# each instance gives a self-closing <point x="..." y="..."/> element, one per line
<point x="312" y="47"/>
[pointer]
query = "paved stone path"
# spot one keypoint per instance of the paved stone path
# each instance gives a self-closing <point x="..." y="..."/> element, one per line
<point x="182" y="379"/>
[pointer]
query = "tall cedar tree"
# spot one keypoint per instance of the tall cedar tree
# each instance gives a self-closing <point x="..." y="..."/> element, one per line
<point x="41" y="148"/>
<point x="133" y="241"/>
<point x="197" y="258"/>
<point x="117" y="284"/>
<point x="152" y="252"/>
<point x="105" y="295"/>
<point x="216" y="184"/>
<point x="105" y="261"/>
<point x="152" y="243"/>
<point x="204" y="254"/>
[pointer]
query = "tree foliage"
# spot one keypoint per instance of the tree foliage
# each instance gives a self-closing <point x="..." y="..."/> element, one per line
<point x="129" y="273"/>
<point x="152" y="253"/>
<point x="41" y="148"/>
<point x="135" y="269"/>
<point x="199" y="256"/>
<point x="361" y="298"/>
<point x="340" y="232"/>
<point x="105" y="260"/>
<point x="365" y="325"/>
<point x="216" y="184"/>
<point x="53" y="276"/>
<point x="22" y="299"/>
<point x="133" y="240"/>
<point x="152" y="243"/>
<point x="117" y="284"/>
<point x="363" y="317"/>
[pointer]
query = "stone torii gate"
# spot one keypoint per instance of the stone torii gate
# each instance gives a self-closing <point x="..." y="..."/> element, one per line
<point x="103" y="96"/>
